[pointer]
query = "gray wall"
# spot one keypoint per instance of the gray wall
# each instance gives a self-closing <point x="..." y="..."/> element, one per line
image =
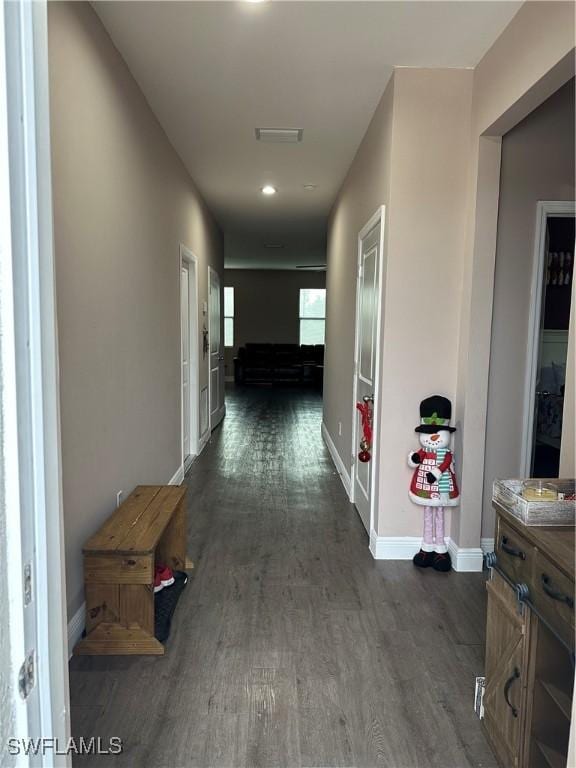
<point x="537" y="164"/>
<point x="413" y="160"/>
<point x="267" y="305"/>
<point x="123" y="204"/>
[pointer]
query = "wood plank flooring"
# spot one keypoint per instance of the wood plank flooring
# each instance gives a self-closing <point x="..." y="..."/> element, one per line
<point x="291" y="646"/>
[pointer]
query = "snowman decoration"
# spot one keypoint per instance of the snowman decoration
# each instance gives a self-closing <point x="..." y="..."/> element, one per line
<point x="433" y="483"/>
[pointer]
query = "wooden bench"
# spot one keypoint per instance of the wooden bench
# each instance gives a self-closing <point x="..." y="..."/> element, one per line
<point x="119" y="559"/>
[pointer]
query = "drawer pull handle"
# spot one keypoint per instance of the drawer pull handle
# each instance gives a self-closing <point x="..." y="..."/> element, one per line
<point x="514" y="676"/>
<point x="511" y="550"/>
<point x="554" y="593"/>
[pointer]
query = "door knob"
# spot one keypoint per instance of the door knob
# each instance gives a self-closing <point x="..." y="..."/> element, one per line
<point x="220" y="357"/>
<point x="368" y="398"/>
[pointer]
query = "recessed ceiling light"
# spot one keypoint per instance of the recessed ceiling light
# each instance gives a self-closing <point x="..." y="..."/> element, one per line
<point x="268" y="189"/>
<point x="310" y="187"/>
<point x="273" y="245"/>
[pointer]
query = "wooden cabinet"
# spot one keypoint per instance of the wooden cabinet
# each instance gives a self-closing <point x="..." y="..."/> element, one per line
<point x="506" y="670"/>
<point x="530" y="644"/>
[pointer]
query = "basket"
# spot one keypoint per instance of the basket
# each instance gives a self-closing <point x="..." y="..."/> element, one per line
<point x="558" y="512"/>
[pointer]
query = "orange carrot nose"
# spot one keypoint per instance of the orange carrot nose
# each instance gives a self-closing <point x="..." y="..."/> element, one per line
<point x="434" y="437"/>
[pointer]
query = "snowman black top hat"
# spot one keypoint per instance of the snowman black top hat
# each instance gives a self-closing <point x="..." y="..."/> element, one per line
<point x="435" y="414"/>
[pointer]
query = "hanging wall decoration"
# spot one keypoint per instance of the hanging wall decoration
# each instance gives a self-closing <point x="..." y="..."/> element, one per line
<point x="365" y="408"/>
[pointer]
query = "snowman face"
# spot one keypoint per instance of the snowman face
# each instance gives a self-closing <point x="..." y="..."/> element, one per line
<point x="440" y="439"/>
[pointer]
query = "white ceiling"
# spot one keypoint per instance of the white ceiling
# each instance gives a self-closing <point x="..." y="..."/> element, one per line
<point x="214" y="71"/>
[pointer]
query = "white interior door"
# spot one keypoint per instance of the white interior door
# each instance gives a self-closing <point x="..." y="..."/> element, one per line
<point x="216" y="349"/>
<point x="189" y="354"/>
<point x="366" y="358"/>
<point x="548" y="342"/>
<point x="185" y="335"/>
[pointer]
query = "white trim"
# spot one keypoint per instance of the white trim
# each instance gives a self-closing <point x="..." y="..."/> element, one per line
<point x="545" y="209"/>
<point x="378" y="216"/>
<point x="338" y="463"/>
<point x="204" y="440"/>
<point x="464" y="559"/>
<point x="188" y="257"/>
<point x="31" y="462"/>
<point x="189" y="461"/>
<point x="76" y="628"/>
<point x="219" y="415"/>
<point x="487" y="544"/>
<point x="213" y="421"/>
<point x="394" y="547"/>
<point x="178" y="476"/>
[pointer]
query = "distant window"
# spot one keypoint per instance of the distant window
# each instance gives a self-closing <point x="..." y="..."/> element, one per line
<point x="228" y="317"/>
<point x="312" y="315"/>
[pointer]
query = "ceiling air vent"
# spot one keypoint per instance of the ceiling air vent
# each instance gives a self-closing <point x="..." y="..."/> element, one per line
<point x="279" y="135"/>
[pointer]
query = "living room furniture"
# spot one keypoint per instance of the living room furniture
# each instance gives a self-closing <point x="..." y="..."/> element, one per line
<point x="119" y="561"/>
<point x="270" y="363"/>
<point x="529" y="643"/>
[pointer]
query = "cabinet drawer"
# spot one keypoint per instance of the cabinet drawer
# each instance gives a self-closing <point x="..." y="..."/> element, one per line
<point x="552" y="594"/>
<point x="515" y="555"/>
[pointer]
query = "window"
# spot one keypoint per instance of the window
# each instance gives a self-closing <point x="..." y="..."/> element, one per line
<point x="312" y="315"/>
<point x="228" y="317"/>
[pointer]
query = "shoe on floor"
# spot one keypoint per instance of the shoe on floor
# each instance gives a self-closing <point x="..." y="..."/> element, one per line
<point x="441" y="562"/>
<point x="423" y="559"/>
<point x="163" y="577"/>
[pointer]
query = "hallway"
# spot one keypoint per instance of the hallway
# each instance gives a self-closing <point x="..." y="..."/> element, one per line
<point x="291" y="646"/>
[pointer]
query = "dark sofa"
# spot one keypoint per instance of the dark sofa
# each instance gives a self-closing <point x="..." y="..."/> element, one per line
<point x="269" y="363"/>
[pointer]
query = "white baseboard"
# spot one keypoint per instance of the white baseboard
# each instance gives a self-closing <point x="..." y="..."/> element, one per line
<point x="178" y="476"/>
<point x="394" y="547"/>
<point x="203" y="442"/>
<point x="464" y="559"/>
<point x="487" y="545"/>
<point x="75" y="628"/>
<point x="338" y="463"/>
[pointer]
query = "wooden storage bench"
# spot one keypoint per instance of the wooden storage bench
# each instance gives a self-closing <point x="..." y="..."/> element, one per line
<point x="119" y="559"/>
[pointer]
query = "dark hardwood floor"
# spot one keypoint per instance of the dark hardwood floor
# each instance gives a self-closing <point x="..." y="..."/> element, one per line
<point x="291" y="646"/>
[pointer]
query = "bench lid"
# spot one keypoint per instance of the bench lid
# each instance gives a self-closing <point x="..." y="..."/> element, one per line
<point x="139" y="522"/>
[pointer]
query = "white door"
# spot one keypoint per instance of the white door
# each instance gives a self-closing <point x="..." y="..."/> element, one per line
<point x="366" y="358"/>
<point x="547" y="354"/>
<point x="33" y="660"/>
<point x="185" y="335"/>
<point x="216" y="350"/>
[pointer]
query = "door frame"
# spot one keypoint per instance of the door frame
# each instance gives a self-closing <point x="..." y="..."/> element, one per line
<point x="29" y="372"/>
<point x="378" y="216"/>
<point x="545" y="209"/>
<point x="222" y="409"/>
<point x="188" y="258"/>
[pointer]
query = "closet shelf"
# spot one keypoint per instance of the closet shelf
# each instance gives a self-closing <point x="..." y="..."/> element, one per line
<point x="553" y="758"/>
<point x="561" y="699"/>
